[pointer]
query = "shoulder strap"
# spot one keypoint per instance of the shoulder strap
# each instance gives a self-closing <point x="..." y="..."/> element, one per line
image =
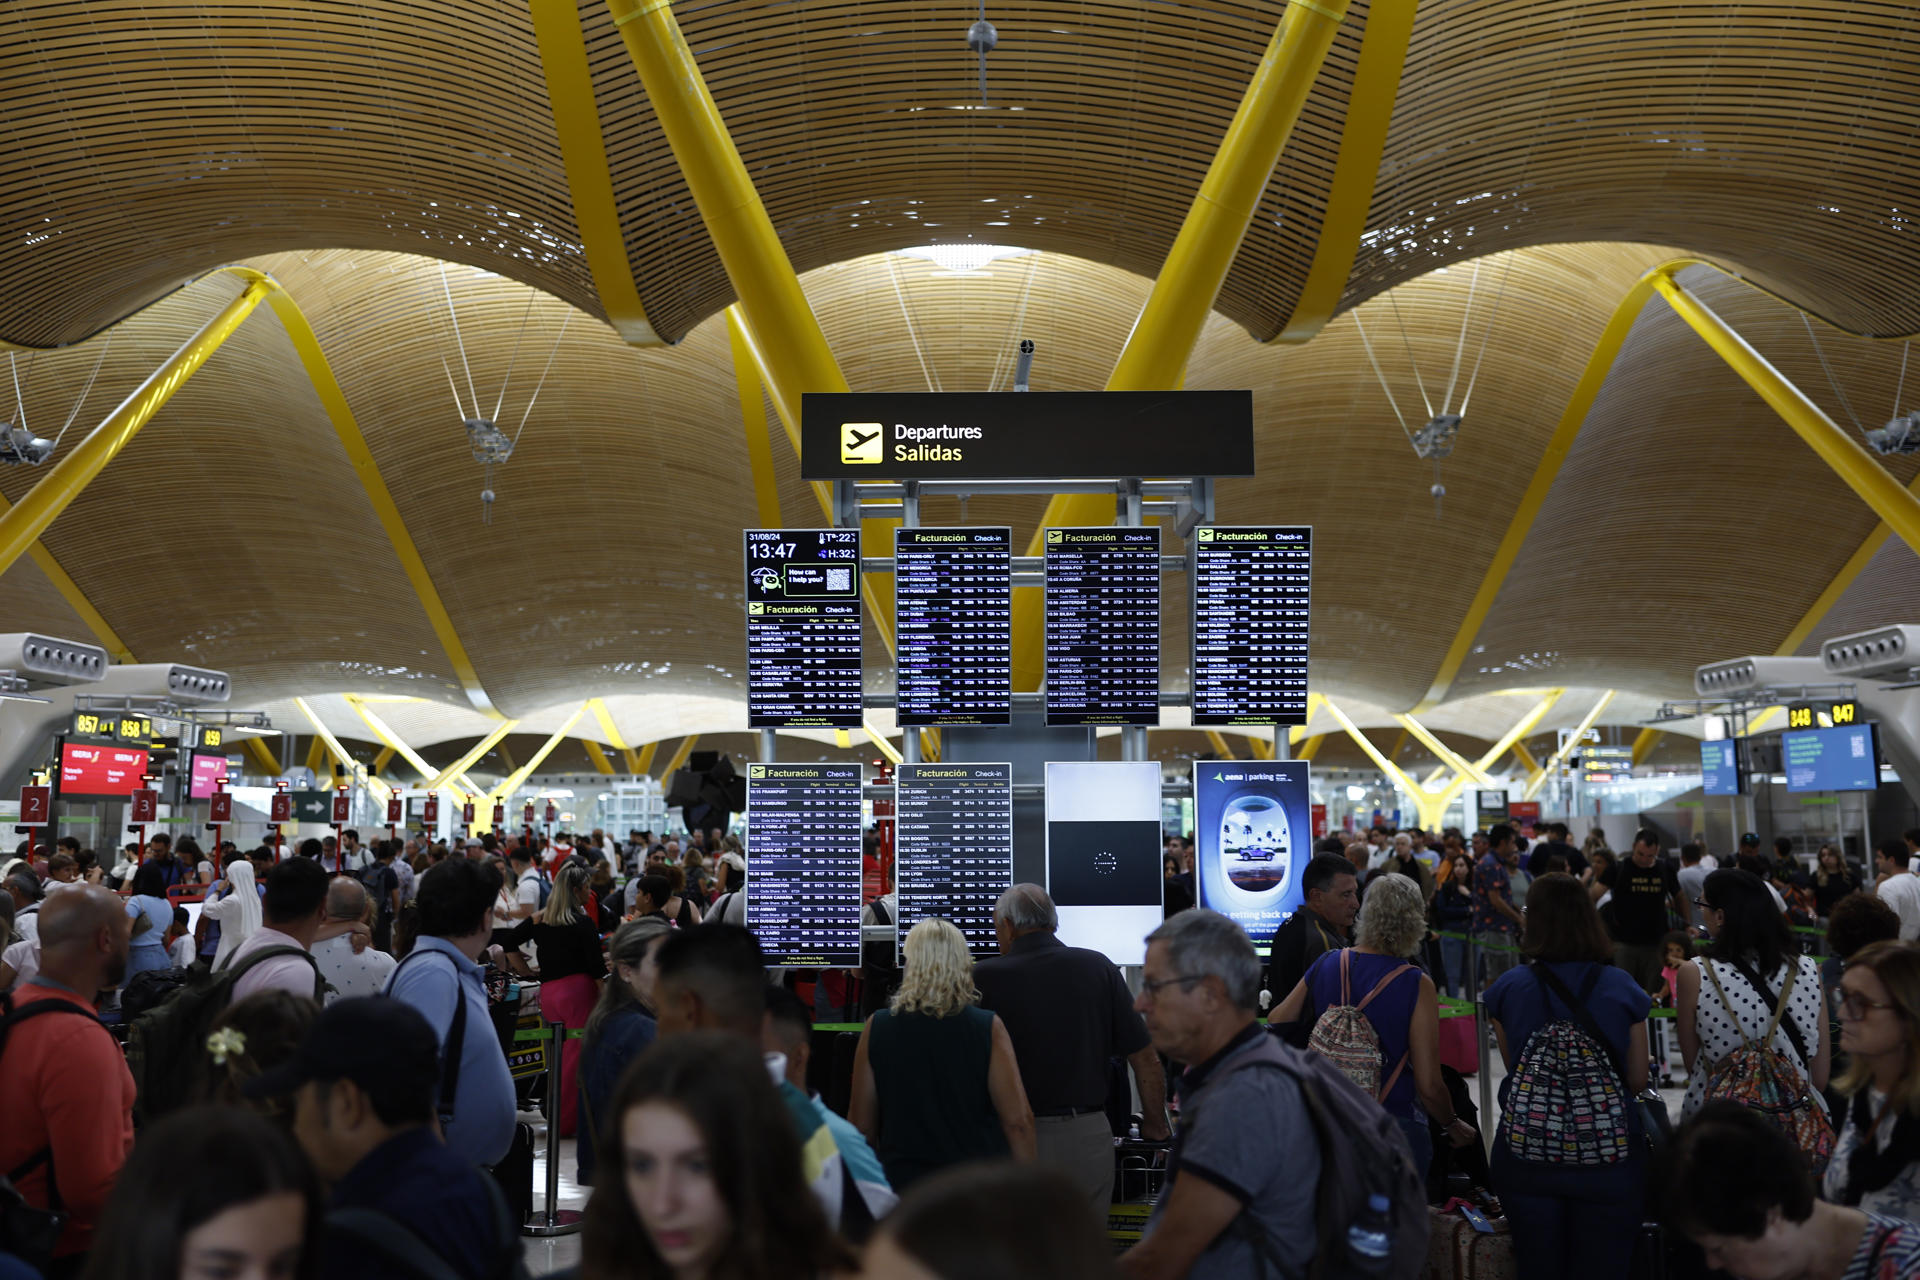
<point x="456" y="1034"/>
<point x="880" y="912"/>
<point x="1780" y="1015"/>
<point x="1584" y="1017"/>
<point x="1740" y="1030"/>
<point x="10" y="1017"/>
<point x="268" y="953"/>
<point x="389" y="1237"/>
<point x="1379" y="986"/>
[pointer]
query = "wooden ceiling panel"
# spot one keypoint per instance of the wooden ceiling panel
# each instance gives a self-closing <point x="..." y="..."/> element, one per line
<point x="1689" y="523"/>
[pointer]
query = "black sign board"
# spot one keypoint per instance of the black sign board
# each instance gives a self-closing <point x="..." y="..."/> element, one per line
<point x="803" y="628"/>
<point x="953" y="846"/>
<point x="1251" y="593"/>
<point x="1103" y="626"/>
<point x="100" y="727"/>
<point x="953" y="626"/>
<point x="804" y="862"/>
<point x="978" y="435"/>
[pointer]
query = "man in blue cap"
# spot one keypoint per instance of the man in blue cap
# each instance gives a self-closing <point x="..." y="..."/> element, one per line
<point x="365" y="1079"/>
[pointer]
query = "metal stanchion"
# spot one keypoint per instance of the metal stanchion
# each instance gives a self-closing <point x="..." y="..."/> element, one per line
<point x="1484" y="1034"/>
<point x="553" y="1220"/>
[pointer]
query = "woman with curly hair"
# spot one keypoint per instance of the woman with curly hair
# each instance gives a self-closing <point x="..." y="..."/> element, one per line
<point x="935" y="1082"/>
<point x="710" y="1183"/>
<point x="1399" y="1002"/>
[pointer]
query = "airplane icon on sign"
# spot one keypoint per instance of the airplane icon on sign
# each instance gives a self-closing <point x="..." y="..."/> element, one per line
<point x="860" y="442"/>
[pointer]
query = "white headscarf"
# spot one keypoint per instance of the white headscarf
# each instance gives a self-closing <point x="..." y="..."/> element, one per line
<point x="241" y="921"/>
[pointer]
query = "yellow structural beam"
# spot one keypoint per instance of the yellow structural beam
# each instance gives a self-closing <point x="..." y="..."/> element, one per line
<point x="1895" y="504"/>
<point x="519" y="776"/>
<point x="930" y="745"/>
<point x="1580" y="732"/>
<point x="633" y="759"/>
<point x="583" y="150"/>
<point x="679" y="756"/>
<point x="1299" y="731"/>
<point x="1156" y="353"/>
<point x="601" y="765"/>
<point x="1644" y="743"/>
<point x="1363" y="139"/>
<point x="70" y="591"/>
<point x="385" y="758"/>
<point x="1525" y="726"/>
<point x="355" y="770"/>
<point x="317" y="756"/>
<point x="262" y="756"/>
<point x="876" y="536"/>
<point x="1220" y="747"/>
<point x="347" y="428"/>
<point x="644" y="764"/>
<point x="1431" y="808"/>
<point x="1898" y="506"/>
<point x="1312" y="747"/>
<point x="384" y="734"/>
<point x="1442" y="752"/>
<point x="1262" y="747"/>
<point x="1764" y="719"/>
<point x="880" y="742"/>
<point x="435" y="781"/>
<point x="766" y="490"/>
<point x="28" y="518"/>
<point x="1525" y="757"/>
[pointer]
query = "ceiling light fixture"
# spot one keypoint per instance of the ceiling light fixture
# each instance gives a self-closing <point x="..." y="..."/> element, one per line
<point x="965" y="257"/>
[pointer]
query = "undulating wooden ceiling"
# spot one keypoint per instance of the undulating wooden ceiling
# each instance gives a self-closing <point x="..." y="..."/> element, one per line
<point x="396" y="165"/>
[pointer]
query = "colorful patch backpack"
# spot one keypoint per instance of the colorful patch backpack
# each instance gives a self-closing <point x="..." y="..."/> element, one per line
<point x="1760" y="1077"/>
<point x="1345" y="1037"/>
<point x="1566" y="1100"/>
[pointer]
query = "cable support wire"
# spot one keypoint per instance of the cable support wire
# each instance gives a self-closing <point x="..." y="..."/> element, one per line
<point x="20" y="403"/>
<point x="461" y="343"/>
<point x="1831" y="380"/>
<point x="1498" y="298"/>
<point x="1368" y="345"/>
<point x="893" y="273"/>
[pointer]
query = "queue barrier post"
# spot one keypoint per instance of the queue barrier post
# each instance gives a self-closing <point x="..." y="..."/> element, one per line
<point x="1484" y="1035"/>
<point x="552" y="1220"/>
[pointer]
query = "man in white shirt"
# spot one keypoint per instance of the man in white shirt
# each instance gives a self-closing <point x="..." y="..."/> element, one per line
<point x="295" y="907"/>
<point x="348" y="974"/>
<point x="527" y="877"/>
<point x="354" y="855"/>
<point x="1899" y="888"/>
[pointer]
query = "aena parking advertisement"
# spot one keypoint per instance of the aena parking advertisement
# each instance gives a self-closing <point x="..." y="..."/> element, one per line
<point x="1252" y="840"/>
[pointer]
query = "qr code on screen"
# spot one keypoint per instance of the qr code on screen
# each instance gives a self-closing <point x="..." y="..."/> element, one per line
<point x="840" y="579"/>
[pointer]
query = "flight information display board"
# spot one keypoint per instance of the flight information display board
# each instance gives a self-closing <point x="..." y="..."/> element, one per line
<point x="1720" y="771"/>
<point x="803" y="862"/>
<point x="1103" y="626"/>
<point x="953" y="625"/>
<point x="1251" y="593"/>
<point x="803" y="628"/>
<point x="953" y="846"/>
<point x="1842" y="759"/>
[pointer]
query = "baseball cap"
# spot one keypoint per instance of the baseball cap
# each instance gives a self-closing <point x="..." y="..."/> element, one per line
<point x="1751" y="838"/>
<point x="385" y="1046"/>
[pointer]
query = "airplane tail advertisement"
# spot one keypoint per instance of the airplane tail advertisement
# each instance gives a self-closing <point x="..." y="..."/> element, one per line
<point x="1253" y="837"/>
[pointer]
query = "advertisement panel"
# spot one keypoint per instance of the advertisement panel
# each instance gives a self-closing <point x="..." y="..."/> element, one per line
<point x="1252" y="825"/>
<point x="1103" y="855"/>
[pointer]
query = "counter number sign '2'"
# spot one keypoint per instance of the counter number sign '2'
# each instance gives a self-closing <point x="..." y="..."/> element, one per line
<point x="36" y="806"/>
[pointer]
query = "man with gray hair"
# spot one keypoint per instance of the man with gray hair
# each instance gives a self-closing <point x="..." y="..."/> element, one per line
<point x="1247" y="1156"/>
<point x="1068" y="1013"/>
<point x="348" y="974"/>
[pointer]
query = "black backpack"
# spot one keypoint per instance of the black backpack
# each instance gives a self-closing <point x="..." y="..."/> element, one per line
<point x="167" y="1044"/>
<point x="409" y="1255"/>
<point x="27" y="1232"/>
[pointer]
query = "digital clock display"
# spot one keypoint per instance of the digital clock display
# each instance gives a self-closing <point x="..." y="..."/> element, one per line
<point x="803" y="628"/>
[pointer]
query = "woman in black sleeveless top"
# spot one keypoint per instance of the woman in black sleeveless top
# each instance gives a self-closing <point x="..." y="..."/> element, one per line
<point x="935" y="1081"/>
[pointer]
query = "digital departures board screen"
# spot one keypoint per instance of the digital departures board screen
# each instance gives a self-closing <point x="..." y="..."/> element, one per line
<point x="803" y="862"/>
<point x="1252" y="588"/>
<point x="1103" y="626"/>
<point x="953" y="846"/>
<point x="953" y="626"/>
<point x="803" y="628"/>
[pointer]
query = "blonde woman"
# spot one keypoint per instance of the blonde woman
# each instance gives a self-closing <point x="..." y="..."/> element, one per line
<point x="935" y="1082"/>
<point x="567" y="942"/>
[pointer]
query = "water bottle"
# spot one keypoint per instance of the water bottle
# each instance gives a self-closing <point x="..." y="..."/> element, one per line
<point x="1369" y="1239"/>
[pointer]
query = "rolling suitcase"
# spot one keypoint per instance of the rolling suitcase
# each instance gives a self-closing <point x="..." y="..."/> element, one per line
<point x="1457" y="1251"/>
<point x="515" y="1174"/>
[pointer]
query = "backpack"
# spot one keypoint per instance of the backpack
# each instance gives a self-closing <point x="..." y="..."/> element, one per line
<point x="1566" y="1098"/>
<point x="1760" y="1077"/>
<point x="1363" y="1153"/>
<point x="1344" y="1036"/>
<point x="410" y="1255"/>
<point x="166" y="1045"/>
<point x="542" y="883"/>
<point x="28" y="1232"/>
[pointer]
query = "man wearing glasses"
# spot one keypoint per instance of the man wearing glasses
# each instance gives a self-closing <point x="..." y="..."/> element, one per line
<point x="1246" y="1144"/>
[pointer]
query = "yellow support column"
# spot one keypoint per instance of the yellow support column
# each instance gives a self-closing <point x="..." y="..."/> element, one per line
<point x="1644" y="744"/>
<point x="601" y="765"/>
<point x="1156" y="354"/>
<point x="22" y="525"/>
<point x="520" y="775"/>
<point x="1441" y="751"/>
<point x="644" y="764"/>
<point x="766" y="492"/>
<point x="257" y="748"/>
<point x="384" y="759"/>
<point x="679" y="756"/>
<point x="472" y="757"/>
<point x="1580" y="731"/>
<point x="1311" y="748"/>
<point x="1220" y="747"/>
